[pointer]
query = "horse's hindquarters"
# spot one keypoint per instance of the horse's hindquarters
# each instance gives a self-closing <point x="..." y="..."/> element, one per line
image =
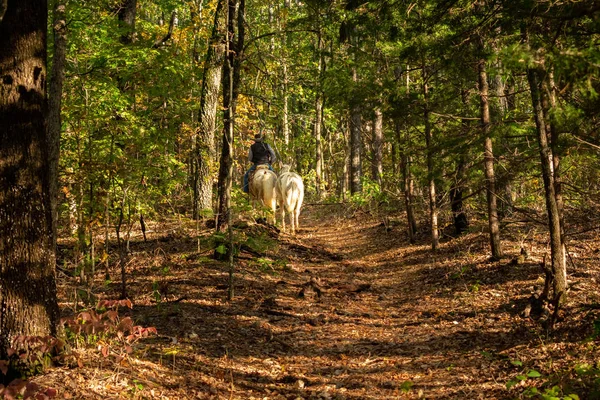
<point x="262" y="187"/>
<point x="290" y="195"/>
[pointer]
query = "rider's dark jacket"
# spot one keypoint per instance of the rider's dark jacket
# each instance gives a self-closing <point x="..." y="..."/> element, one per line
<point x="261" y="153"/>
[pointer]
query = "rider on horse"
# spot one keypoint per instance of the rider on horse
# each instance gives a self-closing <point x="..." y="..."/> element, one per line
<point x="259" y="153"/>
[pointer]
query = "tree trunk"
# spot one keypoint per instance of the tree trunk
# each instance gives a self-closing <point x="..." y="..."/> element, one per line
<point x="501" y="102"/>
<point x="493" y="221"/>
<point x="433" y="211"/>
<point x="550" y="96"/>
<point x="318" y="144"/>
<point x="27" y="257"/>
<point x="355" y="142"/>
<point x="126" y="15"/>
<point x="559" y="273"/>
<point x="408" y="183"/>
<point x="234" y="54"/>
<point x="461" y="222"/>
<point x="285" y="124"/>
<point x="57" y="76"/>
<point x="207" y="124"/>
<point x="377" y="148"/>
<point x="345" y="185"/>
<point x="317" y="129"/>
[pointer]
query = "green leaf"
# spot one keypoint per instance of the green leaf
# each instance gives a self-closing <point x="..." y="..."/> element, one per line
<point x="221" y="249"/>
<point x="516" y="363"/>
<point x="406" y="386"/>
<point x="533" y="374"/>
<point x="545" y="397"/>
<point x="583" y="369"/>
<point x="510" y="384"/>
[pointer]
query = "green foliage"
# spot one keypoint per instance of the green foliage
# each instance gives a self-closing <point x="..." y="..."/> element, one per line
<point x="372" y="196"/>
<point x="265" y="265"/>
<point x="559" y="386"/>
<point x="31" y="355"/>
<point x="406" y="386"/>
<point x="596" y="326"/>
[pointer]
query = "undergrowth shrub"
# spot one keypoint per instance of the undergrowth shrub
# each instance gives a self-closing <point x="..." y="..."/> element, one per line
<point x="101" y="327"/>
<point x="104" y="327"/>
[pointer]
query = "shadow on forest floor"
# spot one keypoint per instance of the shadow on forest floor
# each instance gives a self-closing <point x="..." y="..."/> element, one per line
<point x="347" y="309"/>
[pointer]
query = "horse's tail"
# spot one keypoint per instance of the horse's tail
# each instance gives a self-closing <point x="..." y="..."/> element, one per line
<point x="293" y="191"/>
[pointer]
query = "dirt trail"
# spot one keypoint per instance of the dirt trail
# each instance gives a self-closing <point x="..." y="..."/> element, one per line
<point x="356" y="313"/>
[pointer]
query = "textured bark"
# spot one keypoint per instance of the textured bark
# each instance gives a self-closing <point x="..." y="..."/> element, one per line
<point x="559" y="273"/>
<point x="550" y="100"/>
<point x="355" y="143"/>
<point x="231" y="77"/>
<point x="27" y="258"/>
<point x="492" y="202"/>
<point x="57" y="77"/>
<point x="209" y="99"/>
<point x="126" y="15"/>
<point x="377" y="147"/>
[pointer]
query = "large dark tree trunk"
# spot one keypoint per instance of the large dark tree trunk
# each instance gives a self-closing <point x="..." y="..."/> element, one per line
<point x="492" y="202"/>
<point x="27" y="258"/>
<point x="57" y="76"/>
<point x="231" y="76"/>
<point x="209" y="100"/>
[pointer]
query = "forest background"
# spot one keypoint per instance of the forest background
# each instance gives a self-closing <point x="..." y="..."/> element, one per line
<point x="448" y="111"/>
<point x="459" y="108"/>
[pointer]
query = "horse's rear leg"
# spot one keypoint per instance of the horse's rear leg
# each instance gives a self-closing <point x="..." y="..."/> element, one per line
<point x="293" y="222"/>
<point x="282" y="217"/>
<point x="291" y="212"/>
<point x="274" y="210"/>
<point x="296" y="214"/>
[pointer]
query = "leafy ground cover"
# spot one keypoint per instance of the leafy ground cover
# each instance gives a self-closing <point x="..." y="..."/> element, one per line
<point x="346" y="309"/>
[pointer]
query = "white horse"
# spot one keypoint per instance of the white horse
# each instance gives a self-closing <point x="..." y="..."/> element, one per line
<point x="262" y="188"/>
<point x="290" y="194"/>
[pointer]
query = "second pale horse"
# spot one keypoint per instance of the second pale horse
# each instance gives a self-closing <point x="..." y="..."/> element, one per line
<point x="290" y="195"/>
<point x="262" y="188"/>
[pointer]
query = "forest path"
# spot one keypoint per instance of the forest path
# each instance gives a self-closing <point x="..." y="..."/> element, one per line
<point x="394" y="322"/>
<point x="346" y="309"/>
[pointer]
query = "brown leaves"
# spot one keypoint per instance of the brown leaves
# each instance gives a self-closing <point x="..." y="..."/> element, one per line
<point x="393" y="320"/>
